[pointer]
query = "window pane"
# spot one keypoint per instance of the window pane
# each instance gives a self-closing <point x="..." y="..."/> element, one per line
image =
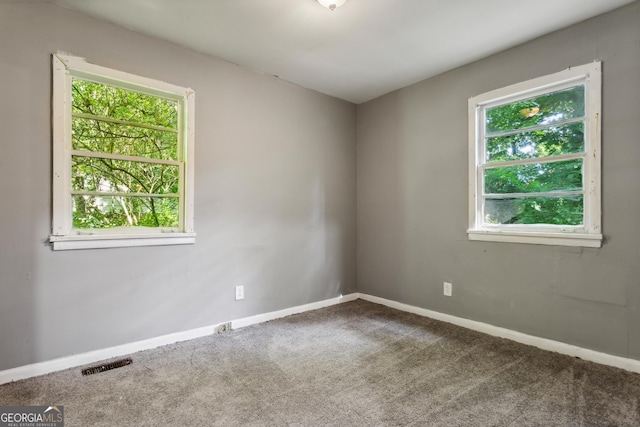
<point x="542" y="110"/>
<point x="536" y="177"/>
<point x="120" y="176"/>
<point x="110" y="212"/>
<point x="109" y="101"/>
<point x="113" y="138"/>
<point x="535" y="210"/>
<point x="552" y="141"/>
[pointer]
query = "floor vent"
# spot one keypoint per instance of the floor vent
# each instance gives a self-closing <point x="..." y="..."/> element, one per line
<point x="107" y="366"/>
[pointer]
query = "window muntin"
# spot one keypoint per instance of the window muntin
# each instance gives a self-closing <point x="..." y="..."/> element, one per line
<point x="534" y="161"/>
<point x="123" y="157"/>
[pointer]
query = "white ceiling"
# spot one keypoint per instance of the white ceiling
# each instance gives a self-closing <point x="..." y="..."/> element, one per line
<point x="358" y="52"/>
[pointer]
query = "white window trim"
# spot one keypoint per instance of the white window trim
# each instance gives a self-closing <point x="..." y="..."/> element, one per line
<point x="588" y="235"/>
<point x="63" y="236"/>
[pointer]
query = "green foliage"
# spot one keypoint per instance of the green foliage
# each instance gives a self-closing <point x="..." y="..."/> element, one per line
<point x="552" y="141"/>
<point x="99" y="136"/>
<point x="548" y="108"/>
<point x="510" y="138"/>
<point x="121" y="104"/>
<point x="535" y="177"/>
<point x="566" y="210"/>
<point x="109" y="120"/>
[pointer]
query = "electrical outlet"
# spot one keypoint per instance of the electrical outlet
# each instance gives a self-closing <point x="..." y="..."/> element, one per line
<point x="239" y="292"/>
<point x="224" y="327"/>
<point x="447" y="289"/>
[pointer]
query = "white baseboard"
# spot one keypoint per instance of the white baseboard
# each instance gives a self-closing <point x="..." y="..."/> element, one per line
<point x="632" y="365"/>
<point x="75" y="360"/>
<point x="260" y="318"/>
<point x="62" y="363"/>
<point x="43" y="368"/>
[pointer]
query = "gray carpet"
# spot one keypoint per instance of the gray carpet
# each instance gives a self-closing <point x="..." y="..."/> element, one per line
<point x="354" y="364"/>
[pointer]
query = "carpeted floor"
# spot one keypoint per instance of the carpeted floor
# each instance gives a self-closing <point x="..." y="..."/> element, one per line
<point x="354" y="364"/>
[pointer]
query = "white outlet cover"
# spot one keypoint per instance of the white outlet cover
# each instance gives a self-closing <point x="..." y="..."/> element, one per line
<point x="239" y="292"/>
<point x="447" y="289"/>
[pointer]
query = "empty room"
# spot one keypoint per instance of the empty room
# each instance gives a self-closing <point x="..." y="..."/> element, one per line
<point x="320" y="212"/>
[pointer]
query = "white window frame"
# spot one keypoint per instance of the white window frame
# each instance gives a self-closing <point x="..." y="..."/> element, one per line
<point x="587" y="235"/>
<point x="63" y="235"/>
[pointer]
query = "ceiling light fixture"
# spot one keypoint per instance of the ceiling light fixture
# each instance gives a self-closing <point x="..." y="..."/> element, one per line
<point x="332" y="4"/>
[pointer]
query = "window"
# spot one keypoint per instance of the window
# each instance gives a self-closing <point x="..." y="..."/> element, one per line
<point x="534" y="161"/>
<point x="123" y="159"/>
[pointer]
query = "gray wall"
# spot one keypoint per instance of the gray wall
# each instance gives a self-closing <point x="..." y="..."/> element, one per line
<point x="412" y="200"/>
<point x="275" y="198"/>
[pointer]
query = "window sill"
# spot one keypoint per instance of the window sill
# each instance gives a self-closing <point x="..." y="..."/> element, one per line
<point x="62" y="243"/>
<point x="559" y="239"/>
